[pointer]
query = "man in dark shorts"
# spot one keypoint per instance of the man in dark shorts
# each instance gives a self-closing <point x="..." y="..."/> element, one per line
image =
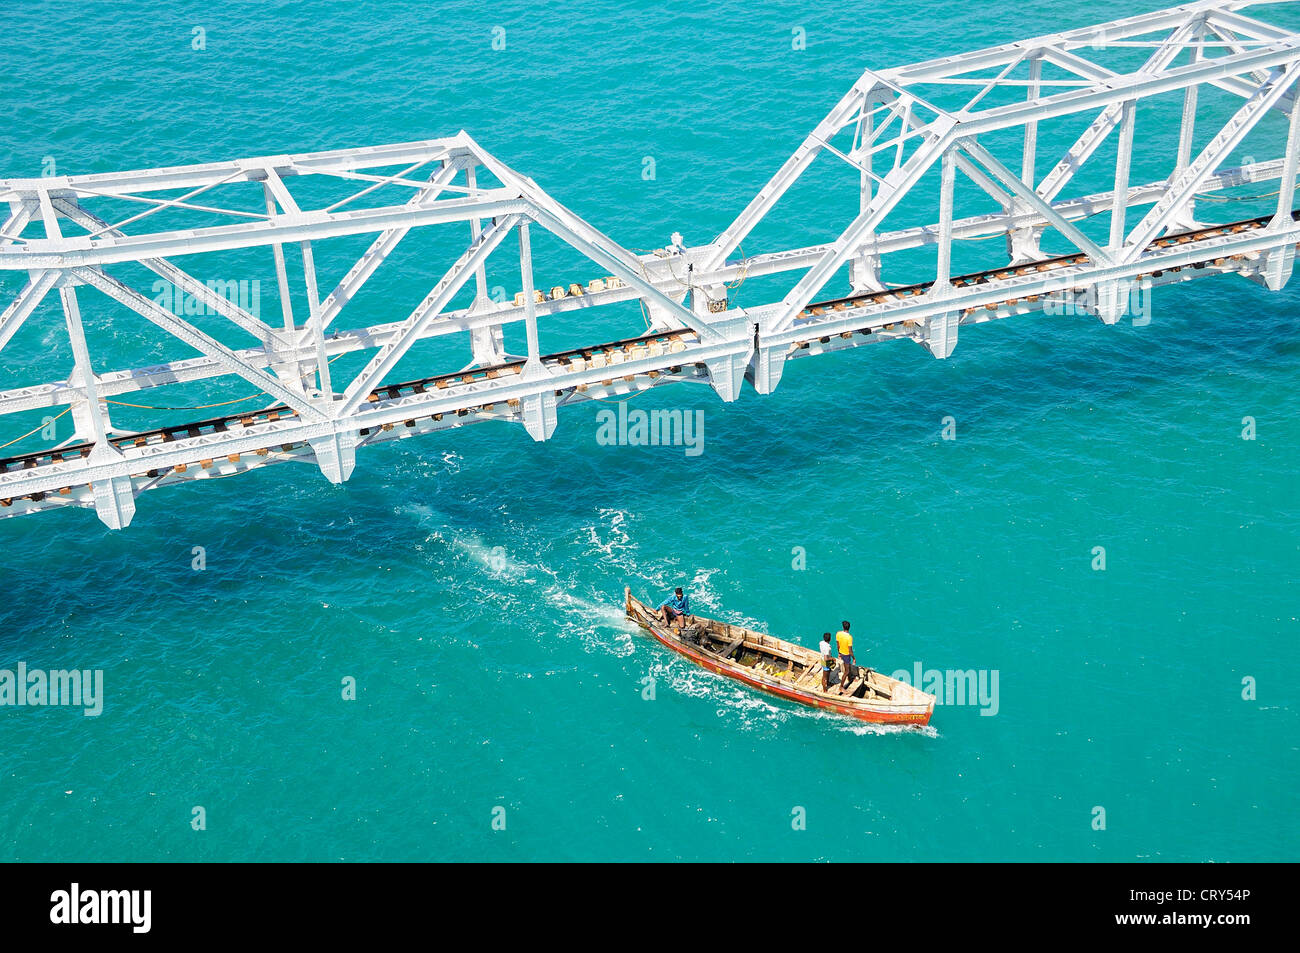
<point x="844" y="643"/>
<point x="676" y="610"/>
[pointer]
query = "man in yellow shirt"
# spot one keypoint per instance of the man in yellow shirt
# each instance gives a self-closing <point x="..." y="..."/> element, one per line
<point x="844" y="645"/>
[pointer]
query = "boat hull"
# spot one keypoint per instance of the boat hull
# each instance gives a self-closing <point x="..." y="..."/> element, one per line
<point x="863" y="711"/>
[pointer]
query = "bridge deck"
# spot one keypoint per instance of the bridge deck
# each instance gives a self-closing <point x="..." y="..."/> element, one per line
<point x="615" y="367"/>
<point x="987" y="114"/>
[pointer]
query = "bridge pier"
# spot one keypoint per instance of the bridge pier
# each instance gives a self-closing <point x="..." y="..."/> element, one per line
<point x="766" y="367"/>
<point x="1275" y="268"/>
<point x="539" y="415"/>
<point x="727" y="373"/>
<point x="336" y="454"/>
<point x="939" y="335"/>
<point x="114" y="501"/>
<point x="1111" y="300"/>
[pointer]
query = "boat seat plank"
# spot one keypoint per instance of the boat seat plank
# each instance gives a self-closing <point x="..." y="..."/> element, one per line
<point x="807" y="673"/>
<point x="880" y="691"/>
<point x="726" y="653"/>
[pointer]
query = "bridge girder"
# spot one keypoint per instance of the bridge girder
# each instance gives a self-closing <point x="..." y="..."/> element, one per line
<point x="895" y="129"/>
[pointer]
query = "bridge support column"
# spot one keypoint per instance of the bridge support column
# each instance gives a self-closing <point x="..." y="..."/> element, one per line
<point x="336" y="455"/>
<point x="727" y="373"/>
<point x="114" y="501"/>
<point x="539" y="415"/>
<point x="1275" y="267"/>
<point x="766" y="367"/>
<point x="939" y="336"/>
<point x="1110" y="300"/>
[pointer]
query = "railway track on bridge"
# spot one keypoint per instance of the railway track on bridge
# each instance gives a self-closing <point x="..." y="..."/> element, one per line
<point x="896" y="132"/>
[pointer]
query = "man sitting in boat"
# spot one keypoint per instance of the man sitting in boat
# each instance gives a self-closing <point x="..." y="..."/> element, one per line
<point x="844" y="642"/>
<point x="676" y="610"/>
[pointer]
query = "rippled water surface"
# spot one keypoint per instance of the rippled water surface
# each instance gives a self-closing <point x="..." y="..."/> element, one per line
<point x="471" y="582"/>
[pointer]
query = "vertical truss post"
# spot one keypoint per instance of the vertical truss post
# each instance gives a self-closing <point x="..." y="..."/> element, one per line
<point x="1278" y="264"/>
<point x="91" y="419"/>
<point x="114" y="497"/>
<point x="475" y="231"/>
<point x="322" y="369"/>
<point x="940" y="331"/>
<point x="947" y="179"/>
<point x="538" y="409"/>
<point x="288" y="371"/>
<point x="864" y="268"/>
<point x="1286" y="193"/>
<point x="336" y="453"/>
<point x="1022" y="243"/>
<point x="1186" y="217"/>
<point x="1112" y="297"/>
<point x="487" y="344"/>
<point x="1123" y="164"/>
<point x="530" y="304"/>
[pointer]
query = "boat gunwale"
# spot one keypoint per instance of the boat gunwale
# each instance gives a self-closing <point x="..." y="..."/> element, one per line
<point x="878" y="709"/>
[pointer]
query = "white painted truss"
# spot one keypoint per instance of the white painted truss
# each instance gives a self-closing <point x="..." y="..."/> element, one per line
<point x="898" y="130"/>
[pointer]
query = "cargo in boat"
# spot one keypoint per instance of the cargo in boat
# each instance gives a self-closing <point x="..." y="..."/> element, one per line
<point x="784" y="668"/>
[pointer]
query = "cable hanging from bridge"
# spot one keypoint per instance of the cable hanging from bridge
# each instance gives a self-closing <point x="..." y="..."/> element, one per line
<point x="45" y="423"/>
<point x="696" y="329"/>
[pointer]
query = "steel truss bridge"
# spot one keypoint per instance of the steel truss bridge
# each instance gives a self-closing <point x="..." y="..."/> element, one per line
<point x="887" y="128"/>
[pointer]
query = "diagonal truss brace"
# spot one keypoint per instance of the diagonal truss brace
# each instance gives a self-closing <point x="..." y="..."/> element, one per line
<point x="38" y="286"/>
<point x="373" y="373"/>
<point x="1035" y="201"/>
<point x="180" y="279"/>
<point x="173" y="325"/>
<point x="892" y="188"/>
<point x="1185" y="185"/>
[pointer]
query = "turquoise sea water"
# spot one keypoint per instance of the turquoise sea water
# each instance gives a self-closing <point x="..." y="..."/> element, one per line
<point x="506" y="677"/>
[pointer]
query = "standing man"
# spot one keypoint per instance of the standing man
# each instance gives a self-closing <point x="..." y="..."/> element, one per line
<point x="675" y="609"/>
<point x="844" y="642"/>
<point x="828" y="661"/>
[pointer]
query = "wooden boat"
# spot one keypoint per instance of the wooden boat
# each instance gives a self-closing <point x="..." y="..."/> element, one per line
<point x="784" y="669"/>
